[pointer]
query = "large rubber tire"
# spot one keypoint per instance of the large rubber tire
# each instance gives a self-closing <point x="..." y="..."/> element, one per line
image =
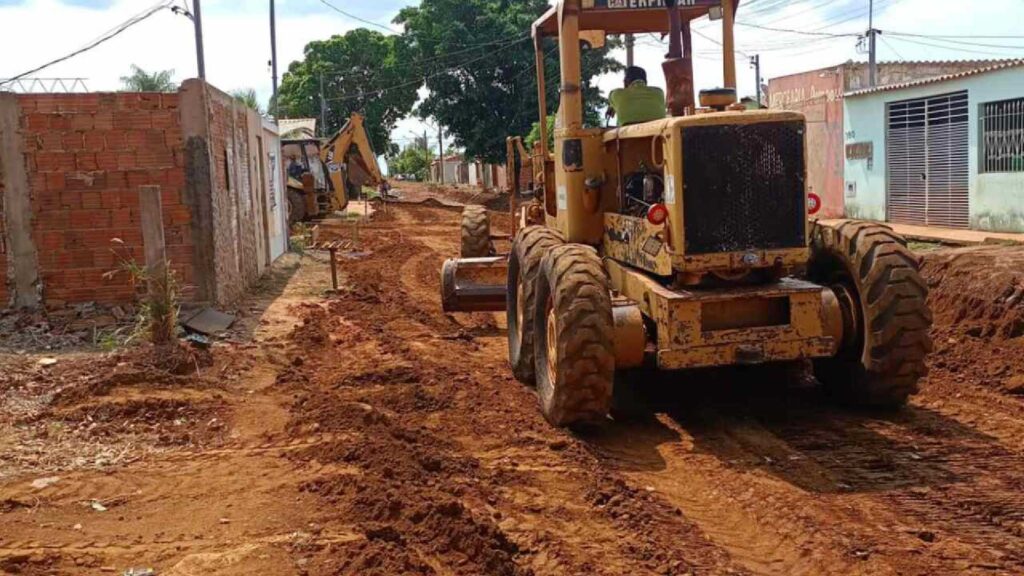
<point x="529" y="247"/>
<point x="574" y="341"/>
<point x="476" y="233"/>
<point x="296" y="206"/>
<point x="881" y="364"/>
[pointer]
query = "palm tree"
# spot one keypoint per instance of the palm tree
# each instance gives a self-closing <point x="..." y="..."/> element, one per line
<point x="141" y="81"/>
<point x="248" y="97"/>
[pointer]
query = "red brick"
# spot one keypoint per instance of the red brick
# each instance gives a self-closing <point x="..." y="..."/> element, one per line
<point x="110" y="198"/>
<point x="82" y="258"/>
<point x="132" y="120"/>
<point x="86" y="161"/>
<point x="163" y="119"/>
<point x="170" y="196"/>
<point x="103" y="120"/>
<point x="126" y="161"/>
<point x="155" y="158"/>
<point x="55" y="161"/>
<point x="90" y="219"/>
<point x="82" y="121"/>
<point x="149" y="101"/>
<point x="95" y="141"/>
<point x="107" y="160"/>
<point x="123" y="217"/>
<point x="85" y="180"/>
<point x="70" y="199"/>
<point x="47" y="140"/>
<point x="55" y="181"/>
<point x="73" y="140"/>
<point x="116" y="140"/>
<point x="91" y="199"/>
<point x="136" y="178"/>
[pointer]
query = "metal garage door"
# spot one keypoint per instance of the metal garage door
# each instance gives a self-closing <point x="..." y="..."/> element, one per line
<point x="926" y="154"/>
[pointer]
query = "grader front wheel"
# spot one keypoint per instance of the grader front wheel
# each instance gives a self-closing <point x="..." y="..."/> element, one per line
<point x="476" y="233"/>
<point x="528" y="250"/>
<point x="574" y="340"/>
<point x="885" y="312"/>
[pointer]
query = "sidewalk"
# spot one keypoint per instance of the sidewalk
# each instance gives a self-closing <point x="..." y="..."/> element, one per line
<point x="953" y="236"/>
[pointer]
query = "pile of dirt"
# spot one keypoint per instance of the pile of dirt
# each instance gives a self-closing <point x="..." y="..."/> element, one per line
<point x="977" y="298"/>
<point x="977" y="292"/>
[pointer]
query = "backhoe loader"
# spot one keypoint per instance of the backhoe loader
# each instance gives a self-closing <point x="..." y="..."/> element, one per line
<point x="684" y="242"/>
<point x="323" y="176"/>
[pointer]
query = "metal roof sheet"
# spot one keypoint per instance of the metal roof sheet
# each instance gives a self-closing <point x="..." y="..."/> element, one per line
<point x="1000" y="65"/>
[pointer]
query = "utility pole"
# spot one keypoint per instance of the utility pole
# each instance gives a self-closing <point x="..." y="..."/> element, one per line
<point x="872" y="61"/>
<point x="273" y="54"/>
<point x="755" y="61"/>
<point x="440" y="154"/>
<point x="630" y="41"/>
<point x="323" y="108"/>
<point x="197" y="19"/>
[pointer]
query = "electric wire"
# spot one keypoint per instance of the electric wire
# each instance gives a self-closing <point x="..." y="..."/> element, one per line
<point x="357" y="18"/>
<point x="110" y="34"/>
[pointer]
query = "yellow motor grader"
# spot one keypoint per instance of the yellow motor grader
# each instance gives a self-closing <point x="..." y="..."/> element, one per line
<point x="684" y="242"/>
<point x="324" y="175"/>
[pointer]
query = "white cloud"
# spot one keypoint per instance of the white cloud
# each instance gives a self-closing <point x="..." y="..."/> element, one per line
<point x="237" y="39"/>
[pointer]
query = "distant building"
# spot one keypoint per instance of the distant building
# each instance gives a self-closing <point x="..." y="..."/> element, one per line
<point x="819" y="95"/>
<point x="945" y="151"/>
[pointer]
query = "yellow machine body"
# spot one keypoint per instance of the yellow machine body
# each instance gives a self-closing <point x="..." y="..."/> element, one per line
<point x="705" y="307"/>
<point x="335" y="168"/>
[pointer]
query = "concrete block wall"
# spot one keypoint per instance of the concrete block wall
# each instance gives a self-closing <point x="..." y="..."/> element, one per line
<point x="85" y="156"/>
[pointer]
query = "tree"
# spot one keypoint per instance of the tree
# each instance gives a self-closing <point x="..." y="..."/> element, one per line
<point x="363" y="71"/>
<point x="248" y="97"/>
<point x="141" y="81"/>
<point x="478" y="61"/>
<point x="413" y="160"/>
<point x="534" y="135"/>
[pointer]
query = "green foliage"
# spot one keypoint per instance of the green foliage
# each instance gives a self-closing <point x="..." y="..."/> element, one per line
<point x="158" y="311"/>
<point x="534" y="134"/>
<point x="479" y="65"/>
<point x="355" y="67"/>
<point x="141" y="81"/>
<point x="414" y="160"/>
<point x="248" y="97"/>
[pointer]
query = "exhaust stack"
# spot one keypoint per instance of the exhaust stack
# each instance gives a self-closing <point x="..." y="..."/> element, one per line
<point x="678" y="64"/>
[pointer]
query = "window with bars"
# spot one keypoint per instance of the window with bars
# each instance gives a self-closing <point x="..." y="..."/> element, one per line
<point x="1002" y="136"/>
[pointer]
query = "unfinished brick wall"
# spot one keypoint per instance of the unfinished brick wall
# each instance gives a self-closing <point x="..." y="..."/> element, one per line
<point x="235" y="233"/>
<point x="87" y="155"/>
<point x="5" y="293"/>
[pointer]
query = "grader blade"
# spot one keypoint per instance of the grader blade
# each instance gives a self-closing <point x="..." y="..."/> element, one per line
<point x="474" y="284"/>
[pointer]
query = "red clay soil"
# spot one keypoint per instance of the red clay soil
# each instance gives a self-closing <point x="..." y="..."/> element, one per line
<point x="365" y="432"/>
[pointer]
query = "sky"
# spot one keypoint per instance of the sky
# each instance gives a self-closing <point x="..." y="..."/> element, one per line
<point x="237" y="38"/>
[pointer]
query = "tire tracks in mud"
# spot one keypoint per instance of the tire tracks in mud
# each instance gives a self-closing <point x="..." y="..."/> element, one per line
<point x="536" y="486"/>
<point x="779" y="480"/>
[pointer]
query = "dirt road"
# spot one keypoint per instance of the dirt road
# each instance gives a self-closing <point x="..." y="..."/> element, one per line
<point x="366" y="432"/>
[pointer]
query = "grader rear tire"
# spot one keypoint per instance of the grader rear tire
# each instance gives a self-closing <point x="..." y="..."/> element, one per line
<point x="574" y="341"/>
<point x="529" y="247"/>
<point x="885" y="307"/>
<point x="476" y="233"/>
<point x="296" y="206"/>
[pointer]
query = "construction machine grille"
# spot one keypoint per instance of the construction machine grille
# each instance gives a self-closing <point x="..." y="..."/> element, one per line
<point x="743" y="187"/>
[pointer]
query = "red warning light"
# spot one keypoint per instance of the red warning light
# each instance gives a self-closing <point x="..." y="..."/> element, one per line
<point x="657" y="214"/>
<point x="813" y="203"/>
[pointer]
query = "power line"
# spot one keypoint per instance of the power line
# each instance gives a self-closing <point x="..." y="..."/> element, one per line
<point x="418" y="81"/>
<point x="946" y="47"/>
<point x="354" y="17"/>
<point x="806" y="33"/>
<point x="961" y="42"/>
<point x="105" y="37"/>
<point x="502" y="43"/>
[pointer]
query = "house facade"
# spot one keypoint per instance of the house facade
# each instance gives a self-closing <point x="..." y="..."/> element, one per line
<point x="819" y="95"/>
<point x="946" y="151"/>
